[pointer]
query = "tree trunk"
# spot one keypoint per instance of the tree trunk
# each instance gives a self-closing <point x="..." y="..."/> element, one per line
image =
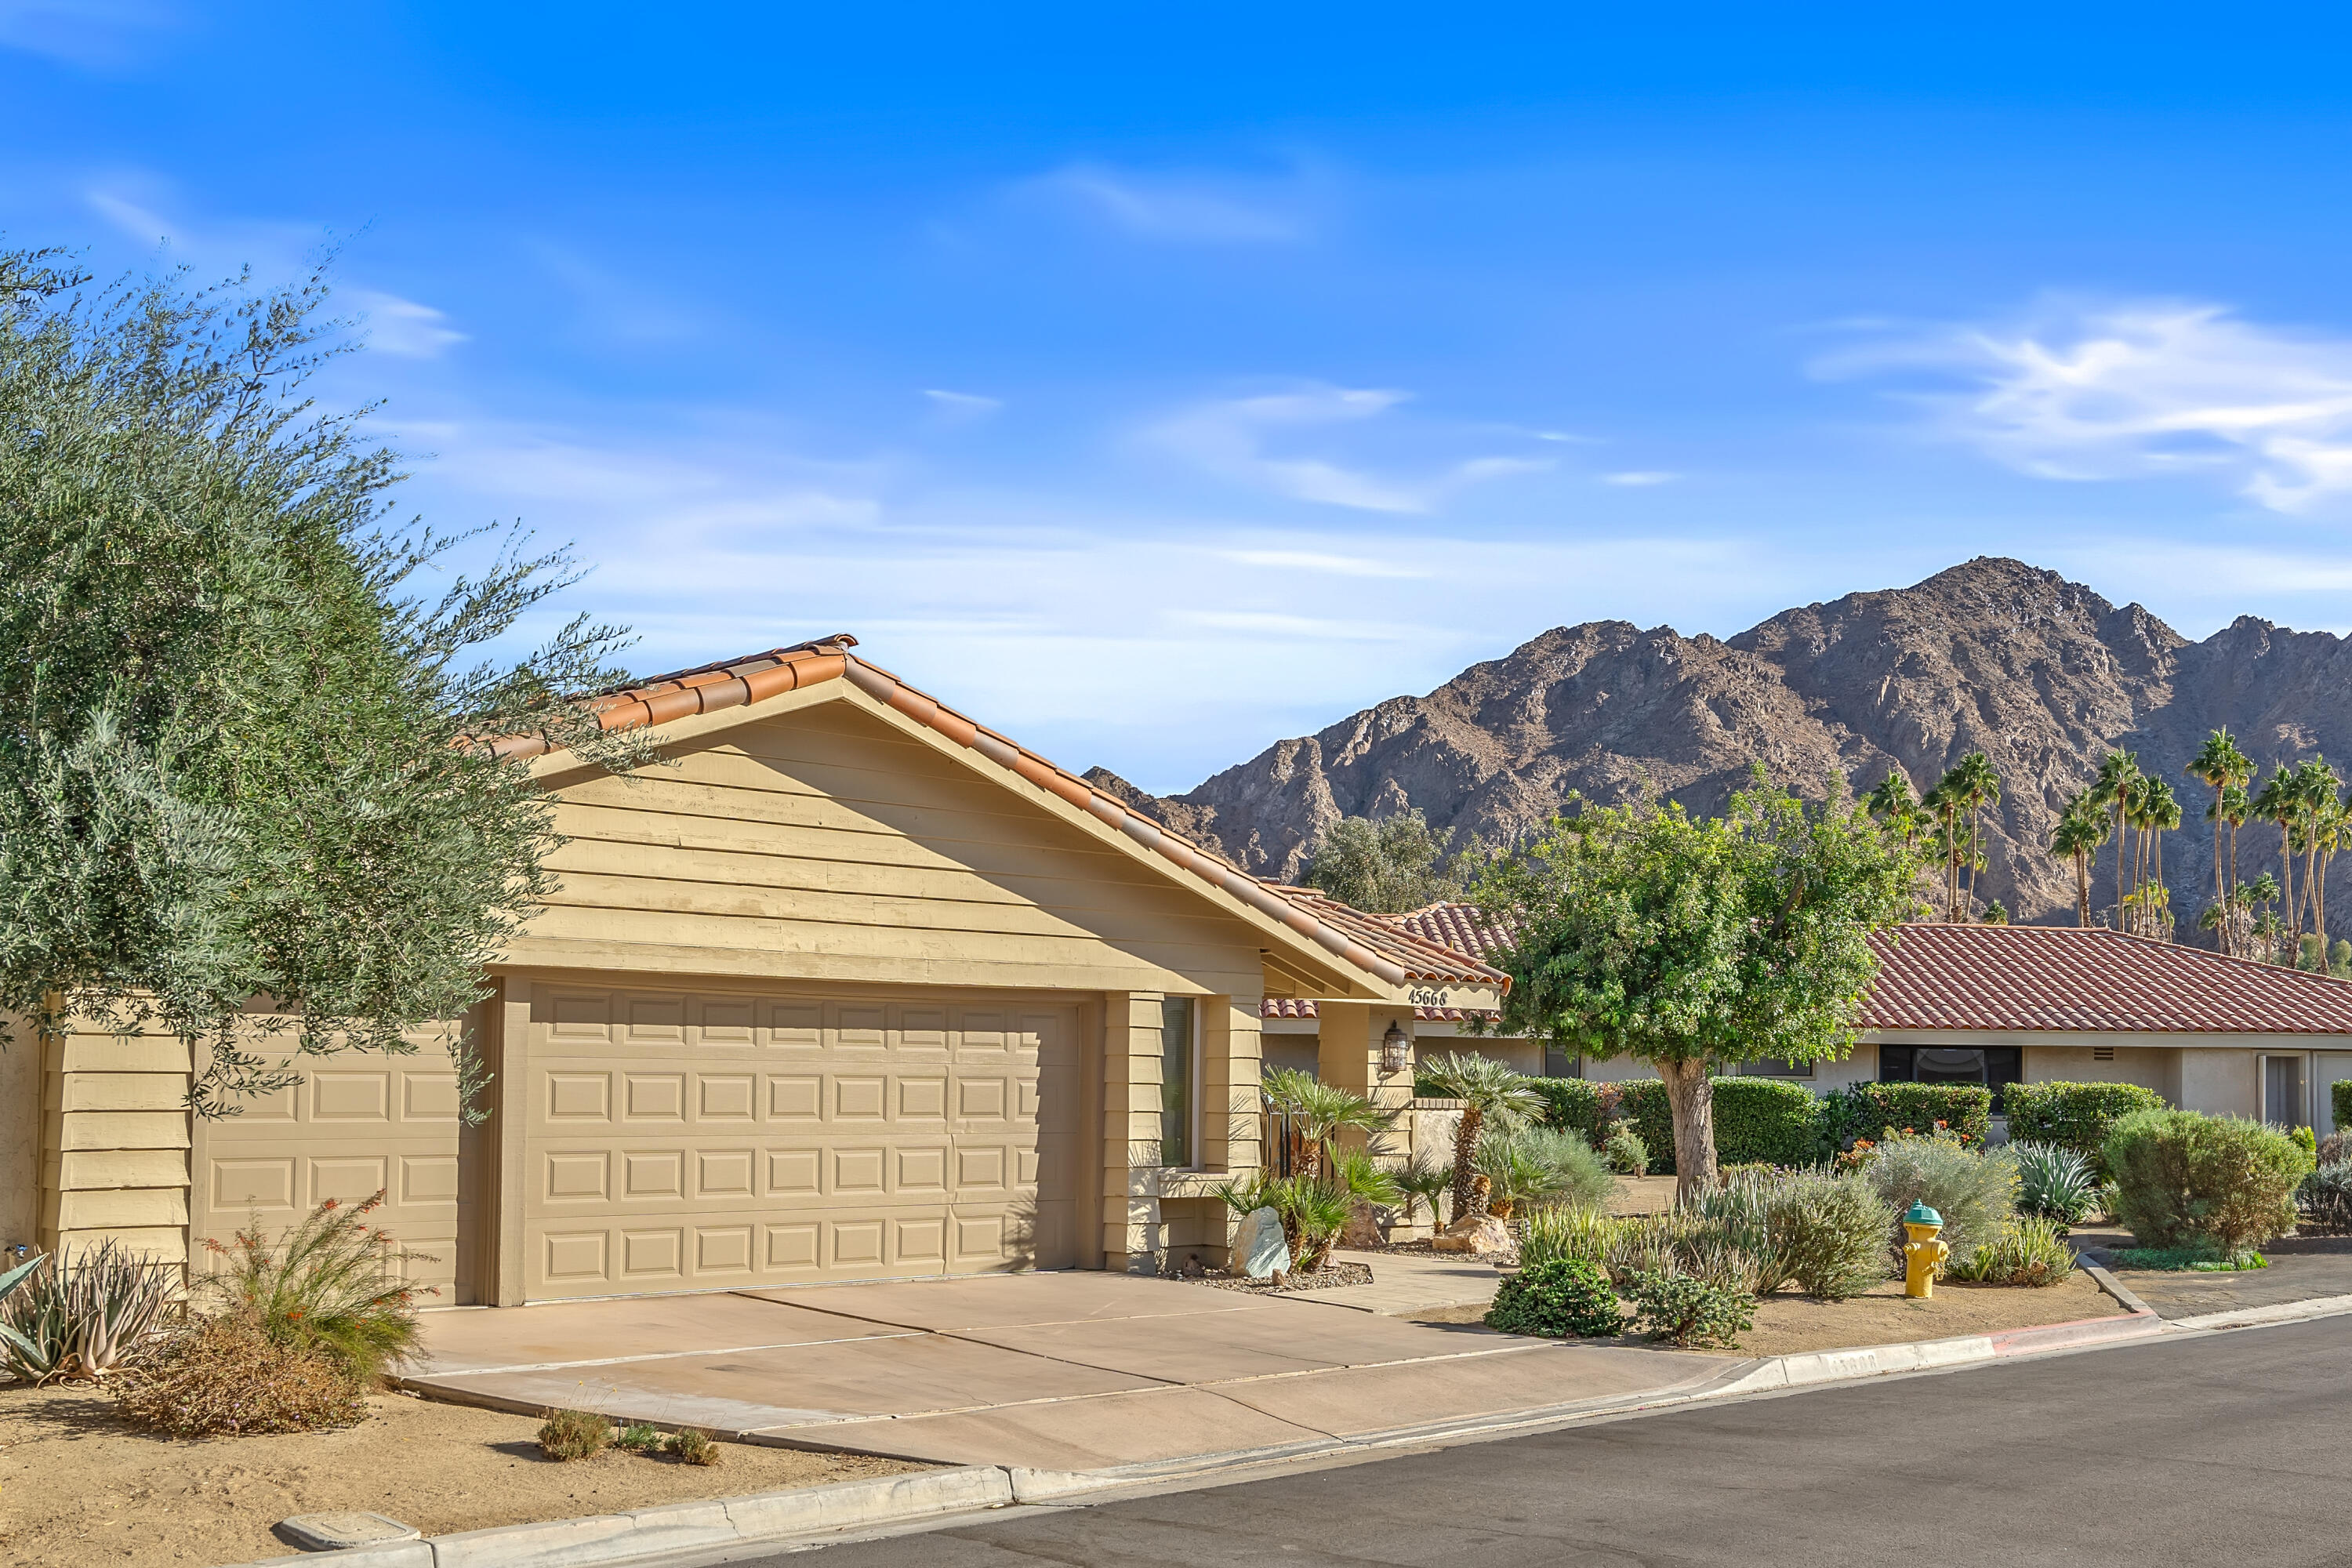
<point x="1465" y="1156"/>
<point x="2082" y="889"/>
<point x="2221" y="889"/>
<point x="1690" y="1095"/>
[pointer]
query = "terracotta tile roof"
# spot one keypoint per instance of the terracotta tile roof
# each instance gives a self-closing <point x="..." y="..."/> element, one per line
<point x="1369" y="943"/>
<point x="2068" y="977"/>
<point x="1458" y="926"/>
<point x="1303" y="1007"/>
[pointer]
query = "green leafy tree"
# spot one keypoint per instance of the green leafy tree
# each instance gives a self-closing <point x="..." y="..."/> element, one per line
<point x="240" y="753"/>
<point x="1694" y="944"/>
<point x="1387" y="866"/>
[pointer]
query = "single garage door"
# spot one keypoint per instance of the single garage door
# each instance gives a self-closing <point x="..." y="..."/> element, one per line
<point x="681" y="1140"/>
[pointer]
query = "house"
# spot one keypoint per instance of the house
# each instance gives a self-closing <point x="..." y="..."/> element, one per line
<point x="1996" y="1005"/>
<point x="852" y="988"/>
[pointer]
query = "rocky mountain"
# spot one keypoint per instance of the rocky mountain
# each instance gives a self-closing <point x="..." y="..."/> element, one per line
<point x="2040" y="674"/>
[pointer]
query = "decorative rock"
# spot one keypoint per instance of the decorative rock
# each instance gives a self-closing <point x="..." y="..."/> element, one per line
<point x="1481" y="1233"/>
<point x="1363" y="1227"/>
<point x="1259" y="1247"/>
<point x="332" y="1531"/>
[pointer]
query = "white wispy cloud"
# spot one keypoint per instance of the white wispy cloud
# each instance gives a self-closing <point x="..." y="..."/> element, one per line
<point x="1191" y="209"/>
<point x="962" y="408"/>
<point x="1318" y="561"/>
<point x="1640" y="477"/>
<point x="1241" y="438"/>
<point x="2139" y="389"/>
<point x="403" y="327"/>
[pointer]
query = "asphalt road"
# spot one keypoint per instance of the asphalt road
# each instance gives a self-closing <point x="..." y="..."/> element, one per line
<point x="2234" y="1449"/>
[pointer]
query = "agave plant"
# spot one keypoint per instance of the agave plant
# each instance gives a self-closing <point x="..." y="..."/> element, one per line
<point x="84" y="1317"/>
<point x="2054" y="1181"/>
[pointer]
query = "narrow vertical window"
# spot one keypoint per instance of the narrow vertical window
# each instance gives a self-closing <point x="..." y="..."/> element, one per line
<point x="1176" y="1081"/>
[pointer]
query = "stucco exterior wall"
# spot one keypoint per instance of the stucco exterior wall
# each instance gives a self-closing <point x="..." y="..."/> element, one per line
<point x="2150" y="1067"/>
<point x="2220" y="1081"/>
<point x="20" y="1134"/>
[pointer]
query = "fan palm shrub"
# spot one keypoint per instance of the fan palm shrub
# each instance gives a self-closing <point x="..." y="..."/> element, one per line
<point x="1490" y="1093"/>
<point x="1322" y="1111"/>
<point x="1531" y="1165"/>
<point x="1422" y="1180"/>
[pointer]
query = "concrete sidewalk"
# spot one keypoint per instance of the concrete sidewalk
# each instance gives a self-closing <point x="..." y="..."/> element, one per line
<point x="1405" y="1283"/>
<point x="1066" y="1372"/>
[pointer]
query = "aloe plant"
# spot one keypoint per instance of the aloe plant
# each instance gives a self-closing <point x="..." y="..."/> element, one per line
<point x="18" y="1352"/>
<point x="83" y="1317"/>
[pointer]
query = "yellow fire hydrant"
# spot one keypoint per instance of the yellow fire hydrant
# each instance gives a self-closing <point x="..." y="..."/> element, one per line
<point x="1923" y="1255"/>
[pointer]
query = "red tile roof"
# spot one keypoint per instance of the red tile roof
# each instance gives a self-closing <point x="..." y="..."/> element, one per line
<point x="2014" y="978"/>
<point x="1305" y="1007"/>
<point x="2068" y="977"/>
<point x="1370" y="942"/>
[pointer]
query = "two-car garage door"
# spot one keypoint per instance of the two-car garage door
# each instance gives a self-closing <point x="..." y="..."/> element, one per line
<point x="676" y="1141"/>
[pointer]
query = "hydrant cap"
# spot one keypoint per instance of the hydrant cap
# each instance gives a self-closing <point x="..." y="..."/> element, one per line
<point x="1922" y="1214"/>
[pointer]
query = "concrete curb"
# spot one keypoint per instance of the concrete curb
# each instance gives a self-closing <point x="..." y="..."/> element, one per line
<point x="616" y="1538"/>
<point x="2260" y="1317"/>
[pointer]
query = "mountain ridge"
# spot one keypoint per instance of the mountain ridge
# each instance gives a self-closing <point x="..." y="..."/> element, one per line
<point x="2041" y="673"/>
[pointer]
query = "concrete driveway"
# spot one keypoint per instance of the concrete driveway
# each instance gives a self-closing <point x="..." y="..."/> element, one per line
<point x="1064" y="1371"/>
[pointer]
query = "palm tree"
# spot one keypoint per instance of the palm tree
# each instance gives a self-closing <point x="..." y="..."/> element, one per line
<point x="2111" y="792"/>
<point x="1979" y="786"/>
<point x="1944" y="806"/>
<point x="1892" y="803"/>
<point x="2159" y="814"/>
<point x="2081" y="830"/>
<point x="2275" y="803"/>
<point x="1321" y="1111"/>
<point x="2231" y="806"/>
<point x="1490" y="1092"/>
<point x="2222" y="766"/>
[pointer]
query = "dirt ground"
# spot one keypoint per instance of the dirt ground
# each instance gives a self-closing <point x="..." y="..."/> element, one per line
<point x="1642" y="1194"/>
<point x="1786" y="1325"/>
<point x="78" y="1486"/>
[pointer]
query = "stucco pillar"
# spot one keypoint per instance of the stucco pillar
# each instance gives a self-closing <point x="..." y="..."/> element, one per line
<point x="1347" y="1056"/>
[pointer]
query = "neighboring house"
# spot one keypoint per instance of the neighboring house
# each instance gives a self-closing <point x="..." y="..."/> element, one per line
<point x="1996" y="1005"/>
<point x="855" y="988"/>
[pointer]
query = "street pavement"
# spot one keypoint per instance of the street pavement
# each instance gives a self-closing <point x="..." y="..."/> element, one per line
<point x="2228" y="1449"/>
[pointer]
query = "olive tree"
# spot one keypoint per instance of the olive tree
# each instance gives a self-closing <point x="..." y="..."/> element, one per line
<point x="241" y="769"/>
<point x="1693" y="944"/>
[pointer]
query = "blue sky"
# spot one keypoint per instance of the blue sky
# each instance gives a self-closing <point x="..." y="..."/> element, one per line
<point x="1155" y="384"/>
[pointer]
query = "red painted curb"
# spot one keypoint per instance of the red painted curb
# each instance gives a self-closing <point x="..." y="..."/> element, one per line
<point x="2083" y="1331"/>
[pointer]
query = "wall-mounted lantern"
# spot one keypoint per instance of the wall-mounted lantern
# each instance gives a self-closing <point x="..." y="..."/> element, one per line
<point x="1396" y="1050"/>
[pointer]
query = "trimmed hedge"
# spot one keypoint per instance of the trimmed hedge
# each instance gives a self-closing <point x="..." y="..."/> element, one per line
<point x="1872" y="1110"/>
<point x="2076" y="1116"/>
<point x="1572" y="1105"/>
<point x="2340" y="1094"/>
<point x="1758" y="1120"/>
<point x="2221" y="1182"/>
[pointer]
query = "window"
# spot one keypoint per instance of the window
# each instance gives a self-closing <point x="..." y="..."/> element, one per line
<point x="1176" y="1058"/>
<point x="1775" y="1066"/>
<point x="1995" y="1067"/>
<point x="2283" y="1092"/>
<point x="1559" y="1063"/>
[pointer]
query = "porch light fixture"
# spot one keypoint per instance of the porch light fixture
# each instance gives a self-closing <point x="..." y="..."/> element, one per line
<point x="1396" y="1048"/>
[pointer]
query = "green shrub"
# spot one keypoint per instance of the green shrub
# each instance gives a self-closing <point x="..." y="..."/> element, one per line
<point x="333" y="1282"/>
<point x="1723" y="1252"/>
<point x="2186" y="1179"/>
<point x="1641" y="1103"/>
<point x="2325" y="1199"/>
<point x="1583" y="1234"/>
<point x="1829" y="1232"/>
<point x="1557" y="1299"/>
<point x="1870" y="1112"/>
<point x="229" y="1376"/>
<point x="2031" y="1249"/>
<point x="2054" y="1180"/>
<point x="2076" y="1116"/>
<point x="638" y="1438"/>
<point x="1571" y="1104"/>
<point x="1690" y="1311"/>
<point x="1314" y="1210"/>
<point x="2201" y="1258"/>
<point x="2339" y="1095"/>
<point x="566" y="1435"/>
<point x="693" y="1447"/>
<point x="1976" y="1192"/>
<point x="1626" y="1154"/>
<point x="2305" y="1140"/>
<point x="1541" y="1165"/>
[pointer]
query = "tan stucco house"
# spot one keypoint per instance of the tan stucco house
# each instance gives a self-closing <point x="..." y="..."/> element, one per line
<point x="853" y="988"/>
<point x="1997" y="1004"/>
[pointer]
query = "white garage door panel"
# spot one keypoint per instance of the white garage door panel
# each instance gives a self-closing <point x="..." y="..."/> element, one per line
<point x="703" y="1140"/>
